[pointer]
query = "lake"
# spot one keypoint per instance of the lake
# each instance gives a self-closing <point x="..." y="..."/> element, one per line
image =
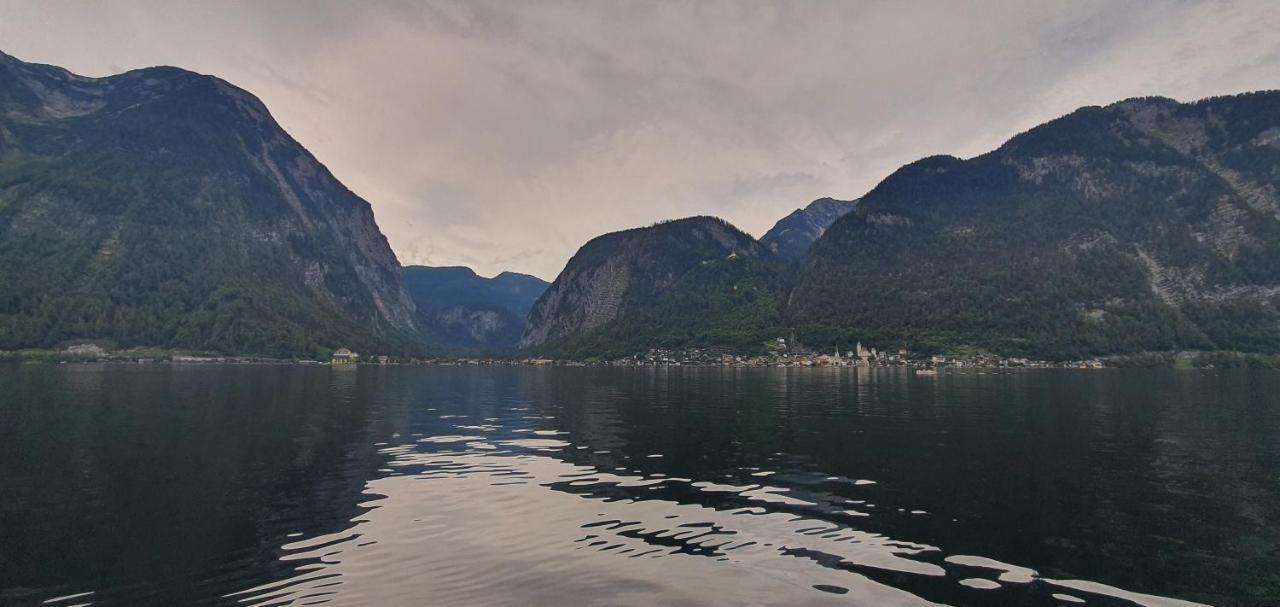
<point x="295" y="485"/>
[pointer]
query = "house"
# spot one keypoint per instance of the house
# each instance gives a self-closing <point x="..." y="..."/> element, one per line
<point x="87" y="351"/>
<point x="343" y="356"/>
<point x="864" y="355"/>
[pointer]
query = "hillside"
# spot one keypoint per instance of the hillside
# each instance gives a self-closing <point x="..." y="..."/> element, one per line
<point x="1144" y="225"/>
<point x="461" y="312"/>
<point x="165" y="208"/>
<point x="693" y="281"/>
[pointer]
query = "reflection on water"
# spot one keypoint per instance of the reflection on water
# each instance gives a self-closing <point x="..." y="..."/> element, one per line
<point x="294" y="485"/>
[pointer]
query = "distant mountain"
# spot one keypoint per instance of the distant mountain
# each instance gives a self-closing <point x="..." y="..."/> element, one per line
<point x="792" y="236"/>
<point x="461" y="312"/>
<point x="685" y="282"/>
<point x="1143" y="225"/>
<point x="165" y="208"/>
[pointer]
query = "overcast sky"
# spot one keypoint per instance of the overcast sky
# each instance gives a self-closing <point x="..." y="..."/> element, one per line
<point x="504" y="135"/>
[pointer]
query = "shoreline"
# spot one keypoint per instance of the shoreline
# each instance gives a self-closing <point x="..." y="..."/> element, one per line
<point x="1190" y="361"/>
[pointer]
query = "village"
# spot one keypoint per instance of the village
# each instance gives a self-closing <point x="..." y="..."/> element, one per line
<point x="858" y="356"/>
<point x="779" y="353"/>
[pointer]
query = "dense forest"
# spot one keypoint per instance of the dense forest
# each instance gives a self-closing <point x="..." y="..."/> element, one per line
<point x="734" y="305"/>
<point x="1145" y="225"/>
<point x="692" y="281"/>
<point x="167" y="209"/>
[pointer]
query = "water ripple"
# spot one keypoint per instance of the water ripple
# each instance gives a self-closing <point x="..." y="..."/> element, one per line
<point x="500" y="520"/>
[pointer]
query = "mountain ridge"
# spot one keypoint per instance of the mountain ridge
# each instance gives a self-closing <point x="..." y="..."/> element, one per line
<point x="791" y="237"/>
<point x="163" y="207"/>
<point x="118" y="197"/>
<point x="621" y="273"/>
<point x="463" y="313"/>
<point x="1146" y="224"/>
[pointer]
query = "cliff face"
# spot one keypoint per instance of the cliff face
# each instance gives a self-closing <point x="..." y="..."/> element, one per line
<point x="462" y="313"/>
<point x="165" y="208"/>
<point x="792" y="236"/>
<point x="628" y="272"/>
<point x="1146" y="224"/>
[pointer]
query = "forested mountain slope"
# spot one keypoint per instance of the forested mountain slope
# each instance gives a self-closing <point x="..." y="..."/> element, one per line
<point x="165" y="208"/>
<point x="1144" y="225"/>
<point x="693" y="281"/>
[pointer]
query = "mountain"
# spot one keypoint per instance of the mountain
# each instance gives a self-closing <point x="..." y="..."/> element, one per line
<point x="693" y="281"/>
<point x="161" y="207"/>
<point x="461" y="312"/>
<point x="792" y="236"/>
<point x="1147" y="224"/>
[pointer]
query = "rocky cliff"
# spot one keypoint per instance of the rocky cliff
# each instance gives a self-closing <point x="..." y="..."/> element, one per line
<point x="631" y="274"/>
<point x="165" y="208"/>
<point x="463" y="313"/>
<point x="792" y="236"/>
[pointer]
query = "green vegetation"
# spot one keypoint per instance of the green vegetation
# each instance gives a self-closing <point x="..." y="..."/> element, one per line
<point x="1235" y="360"/>
<point x="30" y="356"/>
<point x="165" y="209"/>
<point x="697" y="281"/>
<point x="1145" y="226"/>
<point x="734" y="304"/>
<point x="171" y="211"/>
<point x="1094" y="234"/>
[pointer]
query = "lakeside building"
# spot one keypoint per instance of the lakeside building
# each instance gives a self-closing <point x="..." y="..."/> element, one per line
<point x="343" y="356"/>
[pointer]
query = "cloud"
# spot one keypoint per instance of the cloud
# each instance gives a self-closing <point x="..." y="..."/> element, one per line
<point x="505" y="135"/>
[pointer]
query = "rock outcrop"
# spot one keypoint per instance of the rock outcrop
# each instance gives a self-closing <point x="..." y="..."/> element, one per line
<point x="792" y="236"/>
<point x="628" y="272"/>
<point x="462" y="313"/>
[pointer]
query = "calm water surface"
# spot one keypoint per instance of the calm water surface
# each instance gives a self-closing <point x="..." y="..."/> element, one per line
<point x="279" y="485"/>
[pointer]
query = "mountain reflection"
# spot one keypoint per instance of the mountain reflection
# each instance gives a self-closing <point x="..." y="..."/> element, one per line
<point x="295" y="485"/>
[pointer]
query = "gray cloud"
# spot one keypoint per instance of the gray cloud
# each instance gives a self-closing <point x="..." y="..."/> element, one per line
<point x="503" y="135"/>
